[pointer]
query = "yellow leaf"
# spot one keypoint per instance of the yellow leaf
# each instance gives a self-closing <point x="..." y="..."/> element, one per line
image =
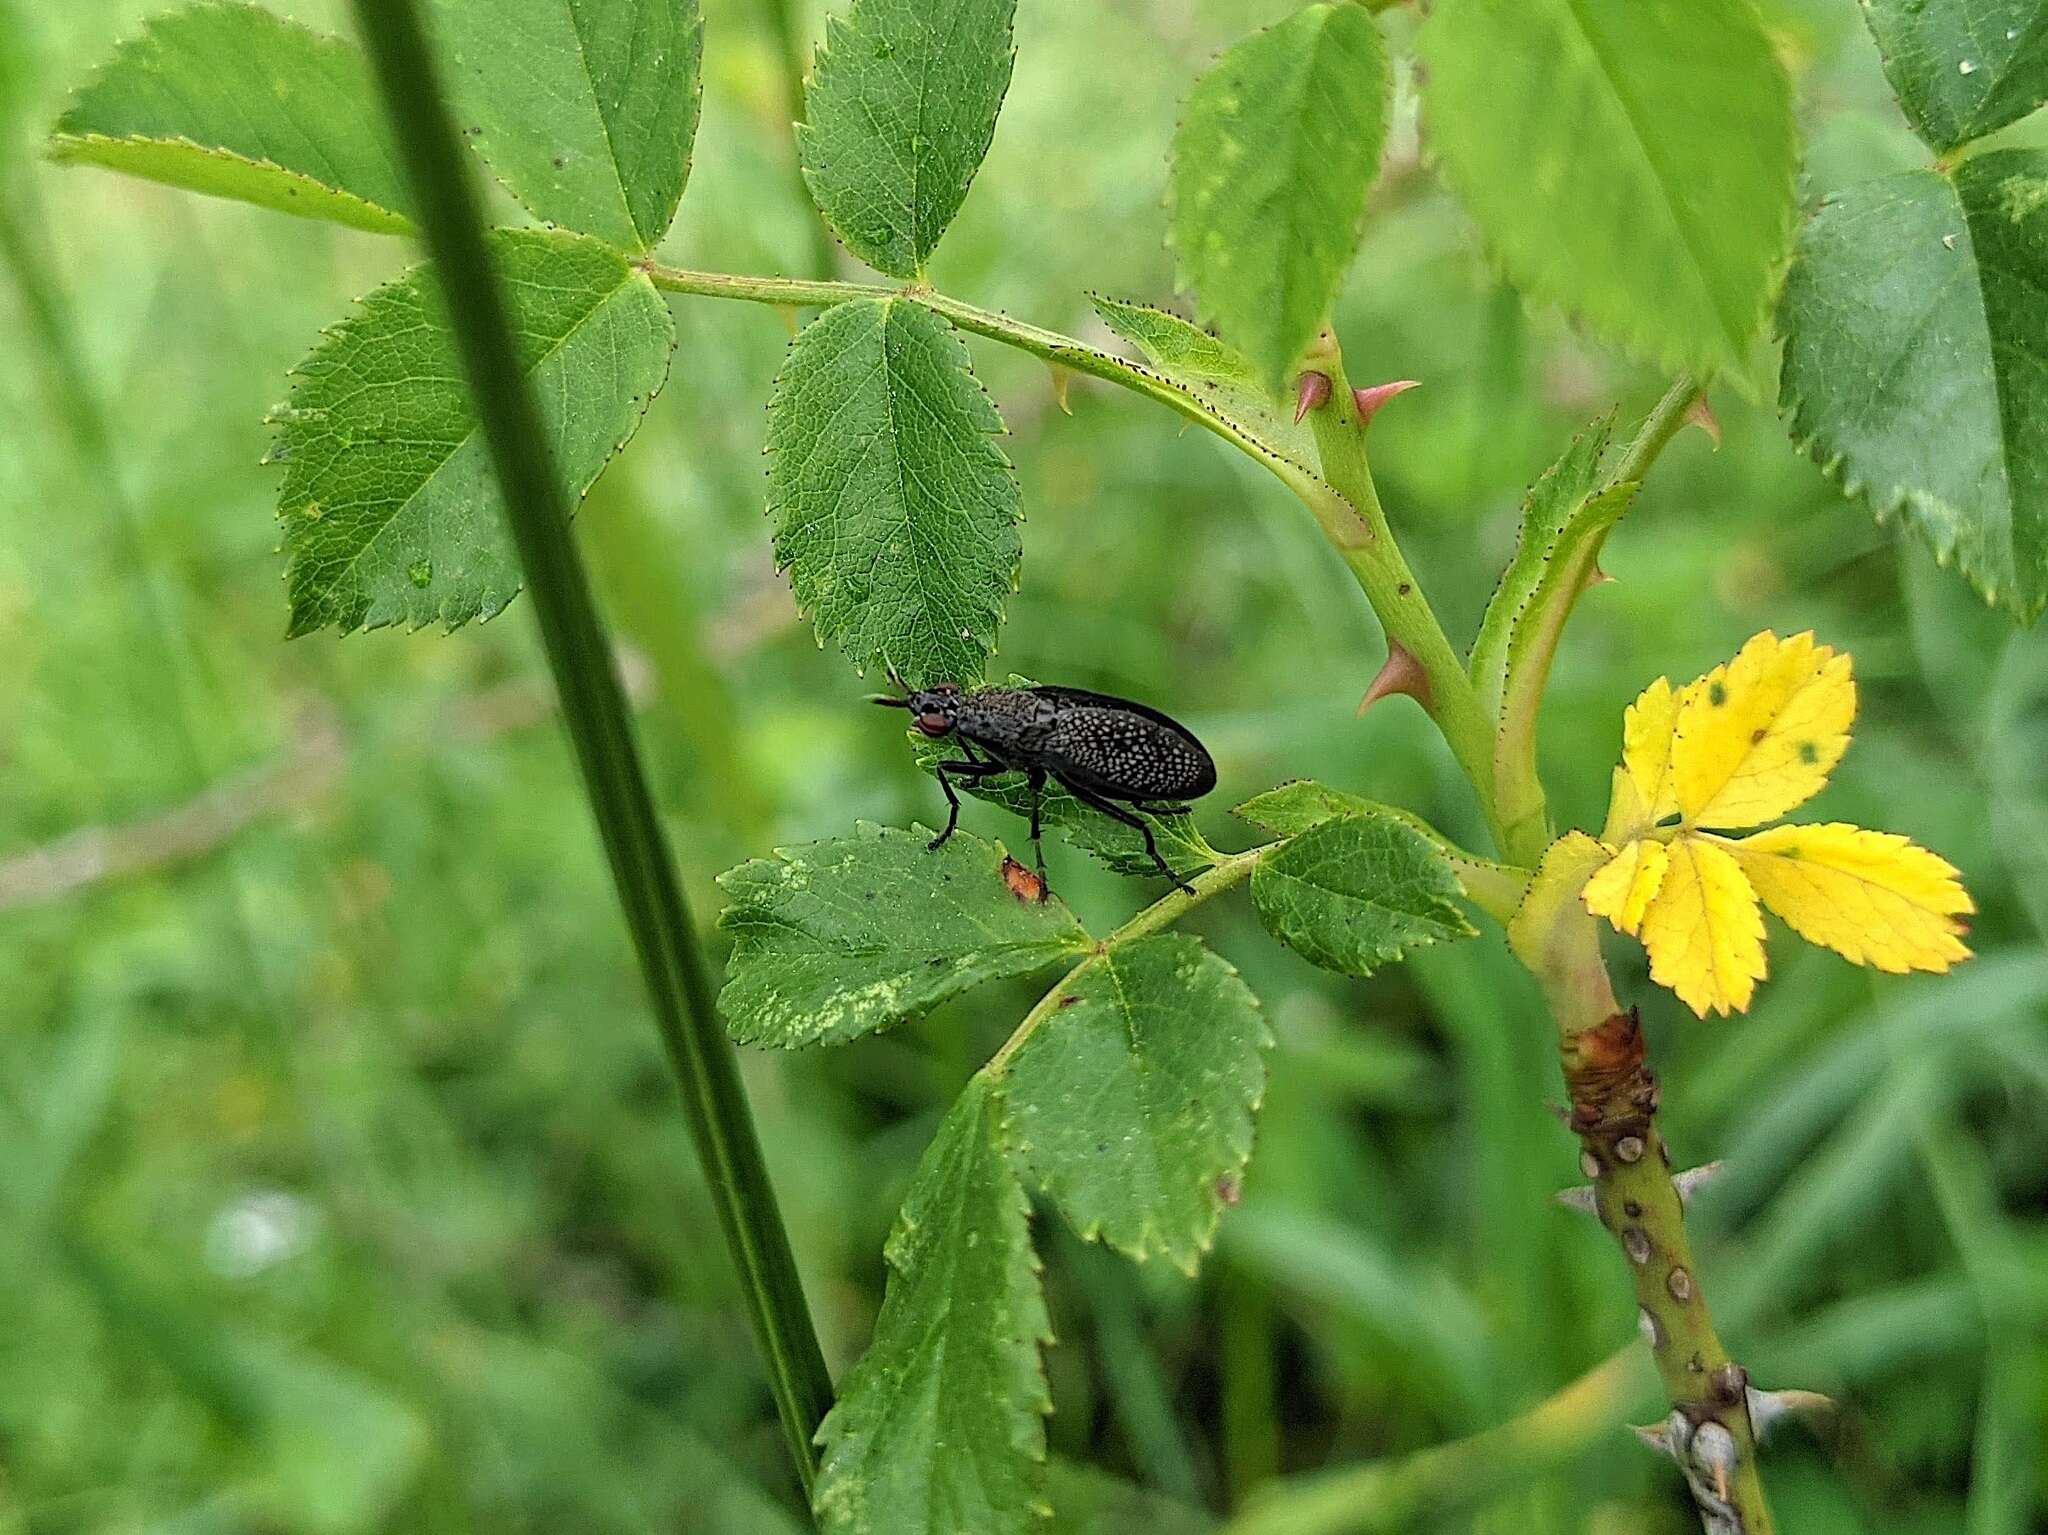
<point x="1760" y="734"/>
<point x="1621" y="891"/>
<point x="1642" y="787"/>
<point x="1559" y="879"/>
<point x="1703" y="930"/>
<point x="1872" y="897"/>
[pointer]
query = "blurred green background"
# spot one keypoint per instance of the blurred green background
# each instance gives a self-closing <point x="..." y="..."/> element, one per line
<point x="344" y="1186"/>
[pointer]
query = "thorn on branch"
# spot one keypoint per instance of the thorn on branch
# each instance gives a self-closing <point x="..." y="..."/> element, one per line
<point x="1400" y="673"/>
<point x="1370" y="400"/>
<point x="1061" y="377"/>
<point x="1311" y="392"/>
<point x="1767" y="1409"/>
<point x="1701" y="415"/>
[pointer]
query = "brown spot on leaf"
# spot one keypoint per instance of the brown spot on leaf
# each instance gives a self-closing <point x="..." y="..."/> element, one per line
<point x="1023" y="883"/>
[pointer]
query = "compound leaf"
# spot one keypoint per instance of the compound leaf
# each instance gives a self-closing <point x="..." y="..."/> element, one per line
<point x="1131" y="1104"/>
<point x="233" y="101"/>
<point x="1628" y="160"/>
<point x="1358" y="892"/>
<point x="586" y="109"/>
<point x="900" y="109"/>
<point x="391" y="512"/>
<point x="1962" y="68"/>
<point x="837" y="939"/>
<point x="940" y="1427"/>
<point x="1916" y="361"/>
<point x="1272" y="161"/>
<point x="895" y="513"/>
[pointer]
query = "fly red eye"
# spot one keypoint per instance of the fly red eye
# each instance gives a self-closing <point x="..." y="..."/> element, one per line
<point x="933" y="723"/>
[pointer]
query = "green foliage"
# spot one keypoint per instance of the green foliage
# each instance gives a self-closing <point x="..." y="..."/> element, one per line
<point x="1274" y="155"/>
<point x="1628" y="160"/>
<point x="1358" y="892"/>
<point x="901" y="106"/>
<point x="940" y="1427"/>
<point x="1216" y="375"/>
<point x="1558" y="497"/>
<point x="1916" y="361"/>
<point x="895" y="513"/>
<point x="390" y="511"/>
<point x="837" y="939"/>
<point x="231" y="100"/>
<point x="1131" y="1105"/>
<point x="586" y="109"/>
<point x="1963" y="69"/>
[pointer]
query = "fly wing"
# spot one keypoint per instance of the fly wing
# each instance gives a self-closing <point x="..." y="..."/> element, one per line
<point x="1124" y="751"/>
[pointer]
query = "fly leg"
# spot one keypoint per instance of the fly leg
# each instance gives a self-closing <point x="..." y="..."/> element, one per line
<point x="1117" y="812"/>
<point x="970" y="768"/>
<point x="1036" y="781"/>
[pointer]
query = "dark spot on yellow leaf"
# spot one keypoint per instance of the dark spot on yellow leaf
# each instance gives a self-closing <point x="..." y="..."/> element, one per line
<point x="1757" y="735"/>
<point x="1717" y="695"/>
<point x="1808" y="752"/>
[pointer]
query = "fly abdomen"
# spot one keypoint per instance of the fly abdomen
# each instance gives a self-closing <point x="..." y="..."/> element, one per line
<point x="1127" y="752"/>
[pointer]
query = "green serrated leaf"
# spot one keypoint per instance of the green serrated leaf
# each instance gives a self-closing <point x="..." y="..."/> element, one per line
<point x="1556" y="496"/>
<point x="940" y="1428"/>
<point x="1916" y="361"/>
<point x="1962" y="68"/>
<point x="1358" y="892"/>
<point x="586" y="109"/>
<point x="1183" y="847"/>
<point x="1276" y="150"/>
<point x="391" y="512"/>
<point x="1628" y="160"/>
<point x="900" y="109"/>
<point x="1214" y="372"/>
<point x="895" y="513"/>
<point x="1132" y="1103"/>
<point x="837" y="939"/>
<point x="233" y="101"/>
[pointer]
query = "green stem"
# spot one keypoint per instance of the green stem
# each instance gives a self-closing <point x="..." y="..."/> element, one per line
<point x="1390" y="586"/>
<point x="1518" y="787"/>
<point x="1658" y="428"/>
<point x="600" y="729"/>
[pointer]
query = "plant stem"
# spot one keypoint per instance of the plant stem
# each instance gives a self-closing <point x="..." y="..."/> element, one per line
<point x="1436" y="1484"/>
<point x="600" y="729"/>
<point x="1390" y="586"/>
<point x="1658" y="428"/>
<point x="1613" y="1112"/>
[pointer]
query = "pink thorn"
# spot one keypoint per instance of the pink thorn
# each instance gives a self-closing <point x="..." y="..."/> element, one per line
<point x="1401" y="673"/>
<point x="1309" y="394"/>
<point x="1701" y="415"/>
<point x="1370" y="400"/>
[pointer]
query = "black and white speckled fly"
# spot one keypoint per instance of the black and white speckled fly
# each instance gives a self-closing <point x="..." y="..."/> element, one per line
<point x="1107" y="752"/>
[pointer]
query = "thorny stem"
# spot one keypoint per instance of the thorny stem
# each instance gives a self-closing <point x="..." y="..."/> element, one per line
<point x="1613" y="1112"/>
<point x="599" y="728"/>
<point x="1233" y="870"/>
<point x="1390" y="586"/>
